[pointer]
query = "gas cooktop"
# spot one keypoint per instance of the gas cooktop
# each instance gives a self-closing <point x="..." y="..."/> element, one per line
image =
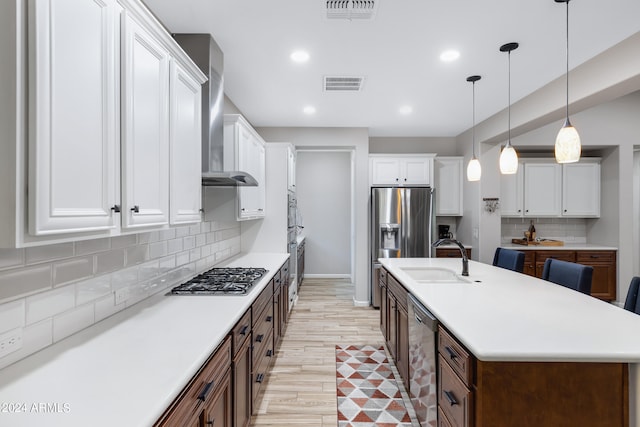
<point x="221" y="281"/>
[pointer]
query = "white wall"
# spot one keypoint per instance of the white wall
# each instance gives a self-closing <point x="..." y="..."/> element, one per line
<point x="350" y="138"/>
<point x="323" y="187"/>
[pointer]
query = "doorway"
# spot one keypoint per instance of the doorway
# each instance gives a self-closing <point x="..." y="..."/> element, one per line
<point x="324" y="189"/>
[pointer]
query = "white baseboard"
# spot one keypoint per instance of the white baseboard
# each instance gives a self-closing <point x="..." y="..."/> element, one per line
<point x="327" y="276"/>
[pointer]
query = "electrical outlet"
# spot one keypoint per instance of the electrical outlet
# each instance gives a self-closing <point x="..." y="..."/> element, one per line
<point x="10" y="341"/>
<point x="121" y="295"/>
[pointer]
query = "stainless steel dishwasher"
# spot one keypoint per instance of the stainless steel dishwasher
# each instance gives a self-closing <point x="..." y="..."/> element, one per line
<point x="423" y="357"/>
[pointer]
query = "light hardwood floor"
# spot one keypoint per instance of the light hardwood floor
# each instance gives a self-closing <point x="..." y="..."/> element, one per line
<point x="301" y="389"/>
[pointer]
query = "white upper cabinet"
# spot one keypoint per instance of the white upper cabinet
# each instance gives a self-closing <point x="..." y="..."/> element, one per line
<point x="448" y="184"/>
<point x="544" y="188"/>
<point x="145" y="127"/>
<point x="244" y="150"/>
<point x="185" y="147"/>
<point x="407" y="170"/>
<point x="72" y="117"/>
<point x="512" y="193"/>
<point x="581" y="189"/>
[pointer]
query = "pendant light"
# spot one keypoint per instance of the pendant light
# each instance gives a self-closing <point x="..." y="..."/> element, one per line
<point x="508" y="156"/>
<point x="568" y="141"/>
<point x="474" y="170"/>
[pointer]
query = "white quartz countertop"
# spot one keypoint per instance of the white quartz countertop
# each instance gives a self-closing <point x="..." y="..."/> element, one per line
<point x="127" y="369"/>
<point x="502" y="315"/>
<point x="567" y="247"/>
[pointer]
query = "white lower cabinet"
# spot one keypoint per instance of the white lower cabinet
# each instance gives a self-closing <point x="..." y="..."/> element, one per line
<point x="72" y="117"/>
<point x="145" y="128"/>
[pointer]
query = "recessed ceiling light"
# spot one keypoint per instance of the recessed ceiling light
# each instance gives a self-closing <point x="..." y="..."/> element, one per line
<point x="449" y="55"/>
<point x="300" y="56"/>
<point x="309" y="109"/>
<point x="406" y="109"/>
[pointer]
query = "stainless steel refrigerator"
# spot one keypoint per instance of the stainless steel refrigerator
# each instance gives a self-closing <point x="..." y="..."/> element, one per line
<point x="402" y="226"/>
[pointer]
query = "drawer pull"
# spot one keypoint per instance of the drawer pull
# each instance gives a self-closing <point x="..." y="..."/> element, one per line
<point x="269" y="318"/>
<point x="269" y="353"/>
<point x="244" y="330"/>
<point x="595" y="256"/>
<point x="452" y="354"/>
<point x="205" y="391"/>
<point x="260" y="378"/>
<point x="450" y="397"/>
<point x="211" y="422"/>
<point x="259" y="338"/>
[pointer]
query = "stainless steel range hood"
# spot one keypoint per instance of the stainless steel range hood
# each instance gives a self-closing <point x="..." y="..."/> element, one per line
<point x="208" y="56"/>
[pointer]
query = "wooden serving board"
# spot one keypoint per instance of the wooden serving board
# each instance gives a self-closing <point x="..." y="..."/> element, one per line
<point x="546" y="242"/>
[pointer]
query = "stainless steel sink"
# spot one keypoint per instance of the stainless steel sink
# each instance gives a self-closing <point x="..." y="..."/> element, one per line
<point x="434" y="275"/>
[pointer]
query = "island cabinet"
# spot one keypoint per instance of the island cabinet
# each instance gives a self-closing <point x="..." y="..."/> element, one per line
<point x="398" y="326"/>
<point x="603" y="283"/>
<point x="384" y="311"/>
<point x="207" y="399"/>
<point x="476" y="393"/>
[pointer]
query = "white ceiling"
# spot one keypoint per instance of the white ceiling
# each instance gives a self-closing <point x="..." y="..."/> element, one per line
<point x="398" y="55"/>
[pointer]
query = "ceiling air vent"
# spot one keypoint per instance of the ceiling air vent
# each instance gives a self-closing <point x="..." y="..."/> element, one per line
<point x="351" y="9"/>
<point x="342" y="84"/>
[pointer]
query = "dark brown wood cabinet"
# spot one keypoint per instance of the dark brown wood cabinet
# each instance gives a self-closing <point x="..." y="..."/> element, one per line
<point x="604" y="282"/>
<point x="475" y="393"/>
<point x="207" y="396"/>
<point x="263" y="342"/>
<point x="398" y="326"/>
<point x="451" y="253"/>
<point x="384" y="311"/>
<point x="241" y="371"/>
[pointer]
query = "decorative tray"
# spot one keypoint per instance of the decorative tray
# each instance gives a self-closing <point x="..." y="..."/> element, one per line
<point x="541" y="242"/>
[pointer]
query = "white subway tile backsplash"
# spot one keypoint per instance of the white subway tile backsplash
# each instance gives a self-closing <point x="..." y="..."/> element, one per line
<point x="24" y="281"/>
<point x="85" y="247"/>
<point x="72" y="321"/>
<point x="48" y="253"/>
<point x="93" y="289"/>
<point x="11" y="258"/>
<point x="12" y="315"/>
<point x="109" y="261"/>
<point x="72" y="270"/>
<point x="87" y="273"/>
<point x="44" y="305"/>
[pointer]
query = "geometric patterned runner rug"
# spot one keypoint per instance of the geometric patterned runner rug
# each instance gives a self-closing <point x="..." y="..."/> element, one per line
<point x="367" y="391"/>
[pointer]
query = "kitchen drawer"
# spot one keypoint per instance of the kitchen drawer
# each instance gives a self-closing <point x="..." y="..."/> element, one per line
<point x="541" y="256"/>
<point x="263" y="329"/>
<point x="451" y="253"/>
<point x="456" y="355"/>
<point x="382" y="277"/>
<point x="202" y="389"/>
<point x="454" y="398"/>
<point x="241" y="331"/>
<point x="262" y="362"/>
<point x="397" y="290"/>
<point x="284" y="272"/>
<point x="265" y="298"/>
<point x="588" y="257"/>
<point x="277" y="282"/>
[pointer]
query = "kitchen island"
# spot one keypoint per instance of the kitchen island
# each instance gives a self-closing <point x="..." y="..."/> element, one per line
<point x="520" y="327"/>
<point x="127" y="369"/>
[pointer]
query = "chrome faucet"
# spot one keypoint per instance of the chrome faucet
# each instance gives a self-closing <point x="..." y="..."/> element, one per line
<point x="463" y="252"/>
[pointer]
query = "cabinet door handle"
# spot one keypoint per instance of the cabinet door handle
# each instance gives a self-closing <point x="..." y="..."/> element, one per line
<point x="259" y="338"/>
<point x="452" y="354"/>
<point x="115" y="208"/>
<point x="269" y="319"/>
<point x="269" y="353"/>
<point x="205" y="391"/>
<point x="450" y="397"/>
<point x="244" y="330"/>
<point x="135" y="209"/>
<point x="260" y="378"/>
<point x="211" y="422"/>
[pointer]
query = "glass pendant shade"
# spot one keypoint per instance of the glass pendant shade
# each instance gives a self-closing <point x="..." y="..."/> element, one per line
<point x="508" y="160"/>
<point x="474" y="170"/>
<point x="568" y="146"/>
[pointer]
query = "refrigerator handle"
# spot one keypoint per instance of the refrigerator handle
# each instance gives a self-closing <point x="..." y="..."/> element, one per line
<point x="404" y="221"/>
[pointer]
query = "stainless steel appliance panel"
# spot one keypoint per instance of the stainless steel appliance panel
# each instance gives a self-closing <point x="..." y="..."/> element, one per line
<point x="402" y="224"/>
<point x="423" y="358"/>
